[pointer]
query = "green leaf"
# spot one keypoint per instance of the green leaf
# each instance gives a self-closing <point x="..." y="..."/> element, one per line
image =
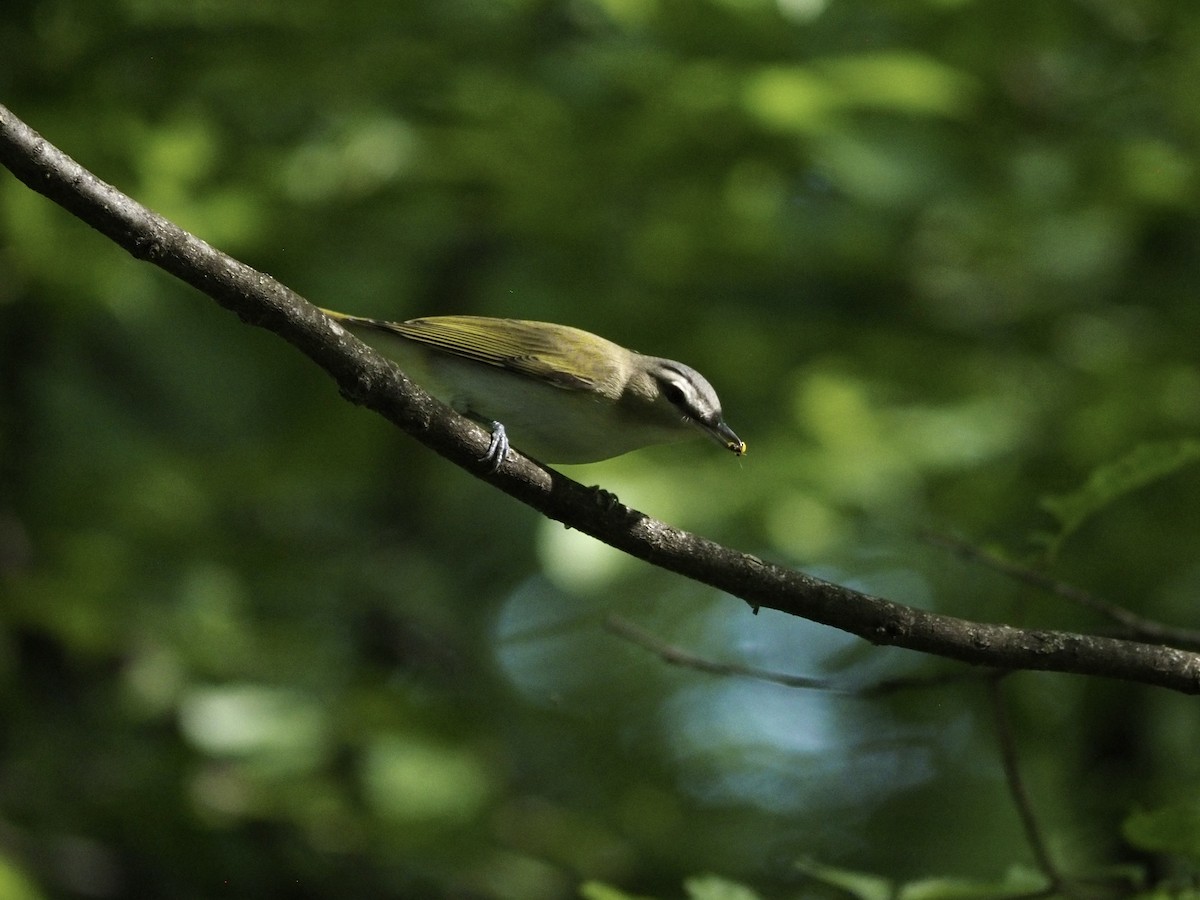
<point x="1016" y="882"/>
<point x="596" y="890"/>
<point x="713" y="887"/>
<point x="1173" y="829"/>
<point x="858" y="884"/>
<point x="14" y="885"/>
<point x="1142" y="466"/>
<point x="903" y="82"/>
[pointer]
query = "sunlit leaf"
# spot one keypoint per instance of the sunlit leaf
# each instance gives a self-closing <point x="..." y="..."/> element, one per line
<point x="713" y="887"/>
<point x="595" y="890"/>
<point x="15" y="884"/>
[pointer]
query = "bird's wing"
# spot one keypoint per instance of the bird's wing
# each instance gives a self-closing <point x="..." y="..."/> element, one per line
<point x="527" y="351"/>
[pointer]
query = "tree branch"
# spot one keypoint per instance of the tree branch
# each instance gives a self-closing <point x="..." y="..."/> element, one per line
<point x="368" y="379"/>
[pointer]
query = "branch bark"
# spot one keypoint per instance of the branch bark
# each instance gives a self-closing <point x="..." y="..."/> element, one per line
<point x="368" y="379"/>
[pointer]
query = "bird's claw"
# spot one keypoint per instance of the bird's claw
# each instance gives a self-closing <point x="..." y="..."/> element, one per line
<point x="497" y="450"/>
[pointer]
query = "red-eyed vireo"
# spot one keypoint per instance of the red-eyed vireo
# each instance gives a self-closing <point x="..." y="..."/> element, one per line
<point x="568" y="396"/>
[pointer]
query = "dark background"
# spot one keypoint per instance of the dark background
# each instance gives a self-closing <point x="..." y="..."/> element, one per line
<point x="940" y="260"/>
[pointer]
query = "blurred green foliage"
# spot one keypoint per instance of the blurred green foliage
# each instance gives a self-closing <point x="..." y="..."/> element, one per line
<point x="938" y="257"/>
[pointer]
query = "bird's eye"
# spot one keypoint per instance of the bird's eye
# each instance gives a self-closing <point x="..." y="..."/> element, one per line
<point x="673" y="393"/>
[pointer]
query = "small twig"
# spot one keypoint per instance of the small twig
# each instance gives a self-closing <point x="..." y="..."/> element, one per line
<point x="1136" y="626"/>
<point x="674" y="655"/>
<point x="923" y="682"/>
<point x="677" y="656"/>
<point x="1017" y="789"/>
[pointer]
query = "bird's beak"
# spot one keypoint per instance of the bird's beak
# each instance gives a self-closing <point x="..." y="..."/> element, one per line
<point x="723" y="435"/>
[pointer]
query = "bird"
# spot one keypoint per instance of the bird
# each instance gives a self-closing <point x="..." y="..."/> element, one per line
<point x="568" y="396"/>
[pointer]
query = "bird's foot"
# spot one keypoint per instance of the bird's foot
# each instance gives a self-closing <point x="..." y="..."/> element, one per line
<point x="606" y="500"/>
<point x="497" y="451"/>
